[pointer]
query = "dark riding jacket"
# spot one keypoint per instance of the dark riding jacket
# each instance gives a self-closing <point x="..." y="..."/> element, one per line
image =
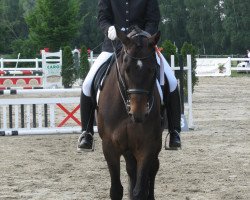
<point x="126" y="13"/>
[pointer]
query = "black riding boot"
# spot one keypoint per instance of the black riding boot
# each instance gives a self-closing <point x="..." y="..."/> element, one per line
<point x="87" y="109"/>
<point x="173" y="107"/>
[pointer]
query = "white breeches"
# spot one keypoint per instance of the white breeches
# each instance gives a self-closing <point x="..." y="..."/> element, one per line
<point x="86" y="86"/>
<point x="172" y="81"/>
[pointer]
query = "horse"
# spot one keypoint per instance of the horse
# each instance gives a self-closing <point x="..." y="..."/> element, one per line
<point x="129" y="116"/>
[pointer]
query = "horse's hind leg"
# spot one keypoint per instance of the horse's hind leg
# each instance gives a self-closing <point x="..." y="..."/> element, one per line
<point x="113" y="161"/>
<point x="153" y="172"/>
<point x="131" y="170"/>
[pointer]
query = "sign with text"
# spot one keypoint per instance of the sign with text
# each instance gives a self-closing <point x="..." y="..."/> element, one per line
<point x="52" y="68"/>
<point x="213" y="67"/>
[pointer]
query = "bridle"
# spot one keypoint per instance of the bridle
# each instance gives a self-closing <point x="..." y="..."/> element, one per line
<point x="126" y="92"/>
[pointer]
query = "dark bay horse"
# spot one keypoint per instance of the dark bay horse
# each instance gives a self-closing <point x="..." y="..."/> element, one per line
<point x="129" y="117"/>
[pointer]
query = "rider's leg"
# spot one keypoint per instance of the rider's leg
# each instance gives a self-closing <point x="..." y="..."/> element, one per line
<point x="172" y="103"/>
<point x="87" y="108"/>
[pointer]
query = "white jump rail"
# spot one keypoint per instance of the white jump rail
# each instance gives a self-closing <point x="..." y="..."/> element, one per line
<point x="35" y="60"/>
<point x="14" y="122"/>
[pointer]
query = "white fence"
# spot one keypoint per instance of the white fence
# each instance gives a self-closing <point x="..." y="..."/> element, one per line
<point x="50" y="115"/>
<point x="46" y="72"/>
<point x="49" y="73"/>
<point x="46" y="115"/>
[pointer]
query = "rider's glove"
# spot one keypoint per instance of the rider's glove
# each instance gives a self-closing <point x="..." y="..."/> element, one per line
<point x="112" y="33"/>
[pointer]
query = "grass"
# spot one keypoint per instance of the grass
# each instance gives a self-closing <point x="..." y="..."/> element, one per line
<point x="241" y="74"/>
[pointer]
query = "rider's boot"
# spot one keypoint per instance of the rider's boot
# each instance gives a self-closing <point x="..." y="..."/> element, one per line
<point x="87" y="109"/>
<point x="173" y="107"/>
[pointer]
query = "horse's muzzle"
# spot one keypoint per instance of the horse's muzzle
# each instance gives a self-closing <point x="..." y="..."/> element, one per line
<point x="138" y="118"/>
<point x="138" y="113"/>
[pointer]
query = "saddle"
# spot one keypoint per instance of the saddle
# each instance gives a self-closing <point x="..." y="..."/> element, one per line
<point x="100" y="77"/>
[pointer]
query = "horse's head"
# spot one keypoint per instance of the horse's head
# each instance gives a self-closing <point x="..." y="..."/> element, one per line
<point x="136" y="69"/>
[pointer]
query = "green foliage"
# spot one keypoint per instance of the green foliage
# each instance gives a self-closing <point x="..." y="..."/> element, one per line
<point x="191" y="50"/>
<point x="84" y="63"/>
<point x="26" y="48"/>
<point x="174" y="20"/>
<point x="214" y="27"/>
<point x="169" y="49"/>
<point x="89" y="31"/>
<point x="12" y="24"/>
<point x="68" y="70"/>
<point x="53" y="24"/>
<point x="236" y="24"/>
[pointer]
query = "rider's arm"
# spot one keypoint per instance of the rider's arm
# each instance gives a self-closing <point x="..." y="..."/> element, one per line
<point x="105" y="15"/>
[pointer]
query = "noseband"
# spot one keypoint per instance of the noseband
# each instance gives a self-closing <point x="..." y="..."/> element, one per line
<point x="126" y="92"/>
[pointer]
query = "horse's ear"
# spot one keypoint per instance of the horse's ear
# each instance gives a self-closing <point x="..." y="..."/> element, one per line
<point x="123" y="37"/>
<point x="154" y="39"/>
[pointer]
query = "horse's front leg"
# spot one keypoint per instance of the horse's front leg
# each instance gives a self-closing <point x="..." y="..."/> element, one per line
<point x="113" y="160"/>
<point x="141" y="190"/>
<point x="131" y="170"/>
<point x="153" y="172"/>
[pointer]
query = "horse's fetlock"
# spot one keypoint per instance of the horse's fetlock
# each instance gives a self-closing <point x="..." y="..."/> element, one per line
<point x="116" y="193"/>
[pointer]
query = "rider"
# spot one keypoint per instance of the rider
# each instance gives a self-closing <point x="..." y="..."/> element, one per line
<point x="146" y="15"/>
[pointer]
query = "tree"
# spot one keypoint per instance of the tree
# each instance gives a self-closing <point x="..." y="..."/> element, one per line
<point x="84" y="63"/>
<point x="90" y="34"/>
<point x="218" y="35"/>
<point x="12" y="26"/>
<point x="173" y="23"/>
<point x="191" y="50"/>
<point x="68" y="70"/>
<point x="199" y="25"/>
<point x="53" y="24"/>
<point x="236" y="23"/>
<point x="169" y="49"/>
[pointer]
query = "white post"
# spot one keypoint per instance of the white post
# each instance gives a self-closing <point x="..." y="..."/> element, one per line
<point x="172" y="61"/>
<point x="37" y="64"/>
<point x="52" y="115"/>
<point x="28" y="120"/>
<point x="189" y="84"/>
<point x="60" y="57"/>
<point x="17" y="60"/>
<point x="230" y="65"/>
<point x="1" y="63"/>
<point x="91" y="58"/>
<point x="4" y="117"/>
<point x="40" y="115"/>
<point x="16" y="116"/>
